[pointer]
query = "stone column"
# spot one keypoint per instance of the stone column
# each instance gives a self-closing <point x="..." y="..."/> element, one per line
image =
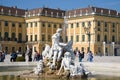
<point x="2" y="31"/>
<point x="113" y="46"/>
<point x="104" y="48"/>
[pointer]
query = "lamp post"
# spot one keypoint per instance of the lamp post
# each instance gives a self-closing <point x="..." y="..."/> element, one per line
<point x="87" y="31"/>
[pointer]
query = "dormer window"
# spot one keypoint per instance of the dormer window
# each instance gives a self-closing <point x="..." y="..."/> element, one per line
<point x="80" y="12"/>
<point x="2" y="10"/>
<point x="33" y="13"/>
<point x="86" y="12"/>
<point x="57" y="14"/>
<point x="101" y="11"/>
<point x="51" y="14"/>
<point x="69" y="15"/>
<point x="62" y="14"/>
<point x="45" y="13"/>
<point x="109" y="12"/>
<point x="9" y="12"/>
<point x="16" y="12"/>
<point x="74" y="13"/>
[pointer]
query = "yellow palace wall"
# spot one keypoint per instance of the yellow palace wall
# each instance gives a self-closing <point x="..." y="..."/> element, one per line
<point x="13" y="27"/>
<point x="94" y="44"/>
<point x="45" y="29"/>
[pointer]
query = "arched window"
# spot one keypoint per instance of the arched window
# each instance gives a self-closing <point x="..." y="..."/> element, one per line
<point x="6" y="35"/>
<point x="20" y="37"/>
<point x="105" y="38"/>
<point x="113" y="38"/>
<point x="13" y="36"/>
<point x="98" y="37"/>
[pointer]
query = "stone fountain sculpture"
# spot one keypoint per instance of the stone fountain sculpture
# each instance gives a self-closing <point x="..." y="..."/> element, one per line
<point x="26" y="54"/>
<point x="58" y="60"/>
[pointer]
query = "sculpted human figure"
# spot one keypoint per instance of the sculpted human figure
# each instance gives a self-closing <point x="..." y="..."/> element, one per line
<point x="39" y="67"/>
<point x="26" y="54"/>
<point x="45" y="53"/>
<point x="57" y="47"/>
<point x="70" y="67"/>
<point x="66" y="62"/>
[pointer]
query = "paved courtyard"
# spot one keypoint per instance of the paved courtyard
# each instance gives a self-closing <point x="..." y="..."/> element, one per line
<point x="95" y="59"/>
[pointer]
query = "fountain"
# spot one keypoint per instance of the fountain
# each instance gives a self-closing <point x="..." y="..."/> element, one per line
<point x="58" y="61"/>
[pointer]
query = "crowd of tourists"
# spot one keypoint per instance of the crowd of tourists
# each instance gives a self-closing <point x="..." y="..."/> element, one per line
<point x="2" y="56"/>
<point x="14" y="54"/>
<point x="79" y="55"/>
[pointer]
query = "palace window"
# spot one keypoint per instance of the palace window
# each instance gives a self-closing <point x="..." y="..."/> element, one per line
<point x="13" y="24"/>
<point x="105" y="27"/>
<point x="98" y="28"/>
<point x="54" y="25"/>
<point x="0" y="34"/>
<point x="66" y="38"/>
<point x="113" y="38"/>
<point x="20" y="25"/>
<point x="43" y="37"/>
<point x="71" y="38"/>
<point x="6" y="49"/>
<point x="43" y="24"/>
<point x="105" y="38"/>
<point x="98" y="23"/>
<point x="6" y="23"/>
<point x="98" y="37"/>
<point x="13" y="36"/>
<point x="113" y="27"/>
<point x="49" y="38"/>
<point x="82" y="48"/>
<point x="83" y="24"/>
<point x="49" y="25"/>
<point x="83" y="38"/>
<point x="20" y="37"/>
<point x="31" y="24"/>
<point x="60" y="25"/>
<point x="20" y="49"/>
<point x="26" y="37"/>
<point x="13" y="48"/>
<point x="6" y="34"/>
<point x="89" y="23"/>
<point x="77" y="24"/>
<point x="35" y="24"/>
<point x="35" y="37"/>
<point x="89" y="37"/>
<point x="77" y="38"/>
<point x="31" y="38"/>
<point x="26" y="24"/>
<point x="71" y="25"/>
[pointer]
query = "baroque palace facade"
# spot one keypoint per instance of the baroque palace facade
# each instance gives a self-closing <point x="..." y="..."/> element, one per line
<point x="91" y="28"/>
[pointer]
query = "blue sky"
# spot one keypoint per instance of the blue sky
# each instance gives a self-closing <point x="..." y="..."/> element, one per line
<point x="62" y="4"/>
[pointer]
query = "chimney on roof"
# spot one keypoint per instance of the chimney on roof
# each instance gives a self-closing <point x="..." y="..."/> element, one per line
<point x="101" y="11"/>
<point x="2" y="10"/>
<point x="89" y="6"/>
<point x="109" y="12"/>
<point x="9" y="12"/>
<point x="80" y="12"/>
<point x="14" y="7"/>
<point x="117" y="13"/>
<point x="95" y="9"/>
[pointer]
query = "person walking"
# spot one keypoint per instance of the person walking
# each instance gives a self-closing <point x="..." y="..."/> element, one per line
<point x="90" y="56"/>
<point x="13" y="56"/>
<point x="3" y="56"/>
<point x="0" y="56"/>
<point x="80" y="56"/>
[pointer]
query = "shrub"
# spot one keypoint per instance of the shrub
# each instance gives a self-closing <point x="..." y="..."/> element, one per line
<point x="20" y="58"/>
